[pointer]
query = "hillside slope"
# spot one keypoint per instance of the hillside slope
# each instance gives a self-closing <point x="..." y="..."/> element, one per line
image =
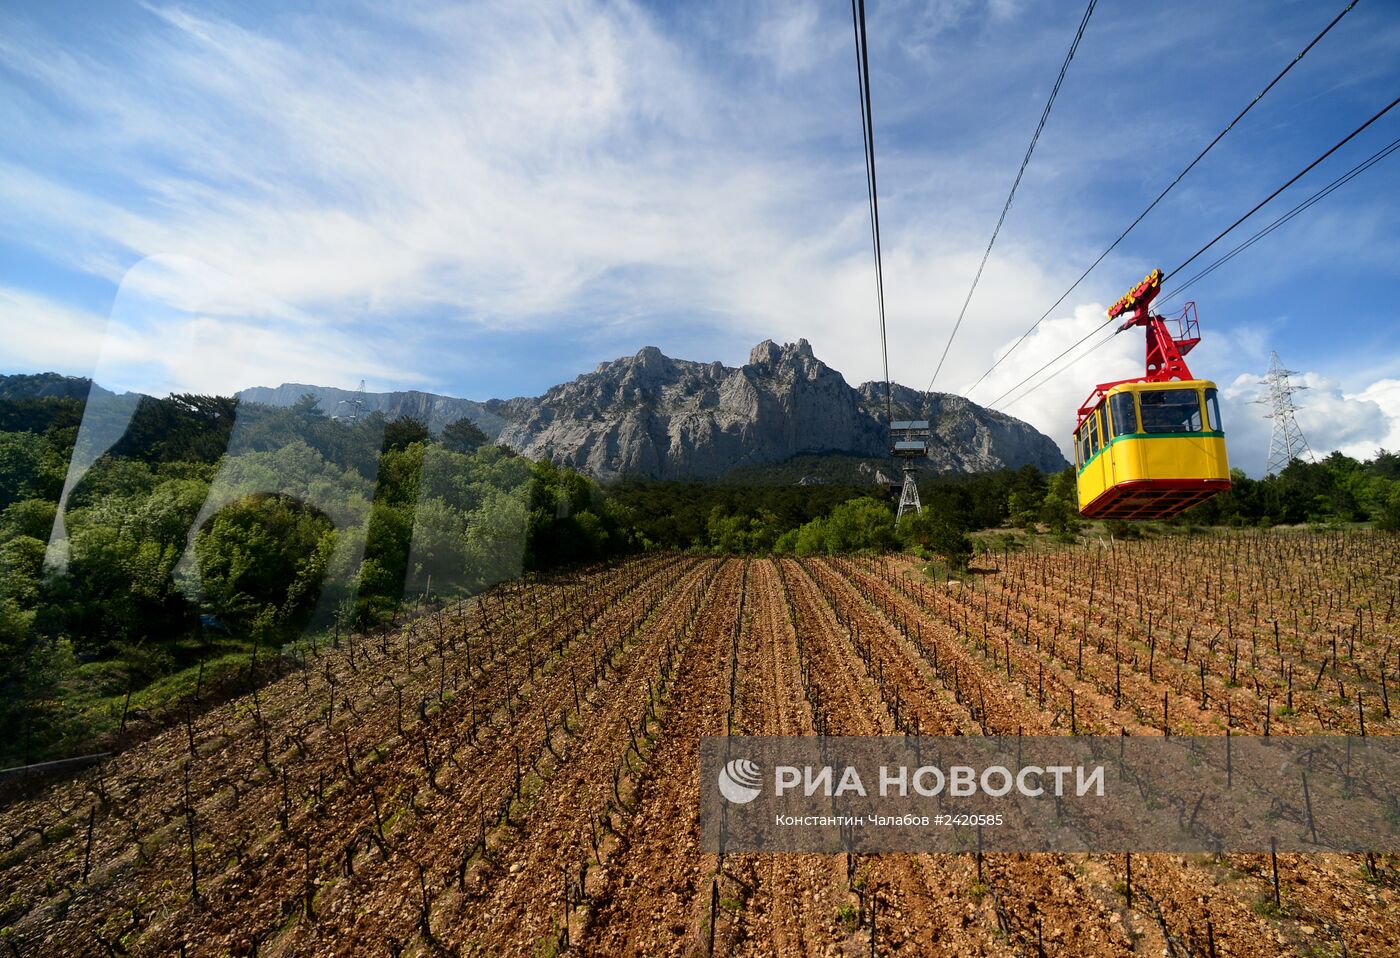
<point x="437" y="411"/>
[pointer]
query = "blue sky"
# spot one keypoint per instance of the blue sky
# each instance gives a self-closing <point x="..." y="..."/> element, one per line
<point x="484" y="200"/>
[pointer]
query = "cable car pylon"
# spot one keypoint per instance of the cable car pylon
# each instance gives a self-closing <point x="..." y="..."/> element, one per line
<point x="908" y="441"/>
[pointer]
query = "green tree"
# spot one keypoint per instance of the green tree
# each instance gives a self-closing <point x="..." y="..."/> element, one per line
<point x="810" y="538"/>
<point x="786" y="543"/>
<point x="497" y="533"/>
<point x="113" y="477"/>
<point x="29" y="517"/>
<point x="27" y="468"/>
<point x="463" y="435"/>
<point x="405" y="431"/>
<point x="1385" y="465"/>
<point x="1060" y="508"/>
<point x="263" y="552"/>
<point x="860" y="524"/>
<point x="1028" y="489"/>
<point x="308" y="408"/>
<point x="119" y="590"/>
<point x="941" y="529"/>
<point x="728" y="533"/>
<point x="1388" y="516"/>
<point x="384" y="569"/>
<point x="764" y="530"/>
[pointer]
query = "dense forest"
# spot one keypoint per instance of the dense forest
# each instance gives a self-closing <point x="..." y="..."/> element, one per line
<point x="212" y="536"/>
<point x="812" y="518"/>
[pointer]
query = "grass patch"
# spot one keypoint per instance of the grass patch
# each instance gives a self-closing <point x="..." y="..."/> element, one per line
<point x="1263" y="906"/>
<point x="94" y="697"/>
<point x="59" y="832"/>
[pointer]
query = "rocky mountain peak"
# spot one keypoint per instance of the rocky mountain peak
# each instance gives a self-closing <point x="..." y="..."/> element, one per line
<point x="662" y="418"/>
<point x="653" y="416"/>
<point x="765" y="353"/>
<point x="652" y="359"/>
<point x="770" y="355"/>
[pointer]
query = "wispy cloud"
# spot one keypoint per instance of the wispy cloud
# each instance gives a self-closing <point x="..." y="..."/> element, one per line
<point x="340" y="196"/>
<point x="35" y="326"/>
<point x="509" y="171"/>
<point x="1331" y="419"/>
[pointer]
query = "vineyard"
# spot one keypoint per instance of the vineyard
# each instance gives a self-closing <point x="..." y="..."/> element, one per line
<point x="518" y="774"/>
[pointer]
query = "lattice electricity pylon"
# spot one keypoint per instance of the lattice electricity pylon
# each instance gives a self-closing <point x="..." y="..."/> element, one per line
<point x="909" y="441"/>
<point x="1286" y="443"/>
<point x="356" y="404"/>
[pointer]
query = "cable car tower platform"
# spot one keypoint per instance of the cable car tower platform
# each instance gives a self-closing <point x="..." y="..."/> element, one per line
<point x="909" y="441"/>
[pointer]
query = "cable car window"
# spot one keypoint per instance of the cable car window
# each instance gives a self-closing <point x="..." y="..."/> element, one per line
<point x="1212" y="411"/>
<point x="1124" y="415"/>
<point x="1171" y="410"/>
<point x="1094" y="444"/>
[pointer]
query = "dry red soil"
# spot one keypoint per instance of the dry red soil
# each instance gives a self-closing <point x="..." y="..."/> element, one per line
<point x="519" y="774"/>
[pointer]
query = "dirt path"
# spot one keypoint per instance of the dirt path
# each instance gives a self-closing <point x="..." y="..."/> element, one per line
<point x="550" y="845"/>
<point x="789" y="902"/>
<point x="652" y="897"/>
<point x="918" y="898"/>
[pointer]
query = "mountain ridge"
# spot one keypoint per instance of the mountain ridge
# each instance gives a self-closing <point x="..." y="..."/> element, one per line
<point x="653" y="416"/>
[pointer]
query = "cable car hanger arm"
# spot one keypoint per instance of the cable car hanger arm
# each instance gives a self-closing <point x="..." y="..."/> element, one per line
<point x="1166" y="352"/>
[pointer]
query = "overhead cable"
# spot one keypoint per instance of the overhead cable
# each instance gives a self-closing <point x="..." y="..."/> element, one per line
<point x="1170" y="186"/>
<point x="1025" y="161"/>
<point x="1218" y="237"/>
<point x="867" y="130"/>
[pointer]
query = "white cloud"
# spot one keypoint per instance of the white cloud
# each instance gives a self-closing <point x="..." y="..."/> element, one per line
<point x="497" y="172"/>
<point x="40" y="332"/>
<point x="1331" y="419"/>
<point x="299" y="195"/>
<point x="789" y="34"/>
<point x="1051" y="407"/>
<point x="180" y="326"/>
<point x="1385" y="394"/>
<point x="503" y="176"/>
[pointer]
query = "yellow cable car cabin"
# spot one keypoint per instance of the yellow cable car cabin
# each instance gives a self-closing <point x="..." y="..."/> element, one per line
<point x="1151" y="448"/>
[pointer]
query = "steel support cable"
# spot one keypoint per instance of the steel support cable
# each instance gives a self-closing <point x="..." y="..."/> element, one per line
<point x="1160" y="196"/>
<point x="867" y="129"/>
<point x="1218" y="237"/>
<point x="1321" y="194"/>
<point x="1068" y="366"/>
<point x="1025" y="161"/>
<point x="1175" y="291"/>
<point x="1296" y="177"/>
<point x="1316" y="197"/>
